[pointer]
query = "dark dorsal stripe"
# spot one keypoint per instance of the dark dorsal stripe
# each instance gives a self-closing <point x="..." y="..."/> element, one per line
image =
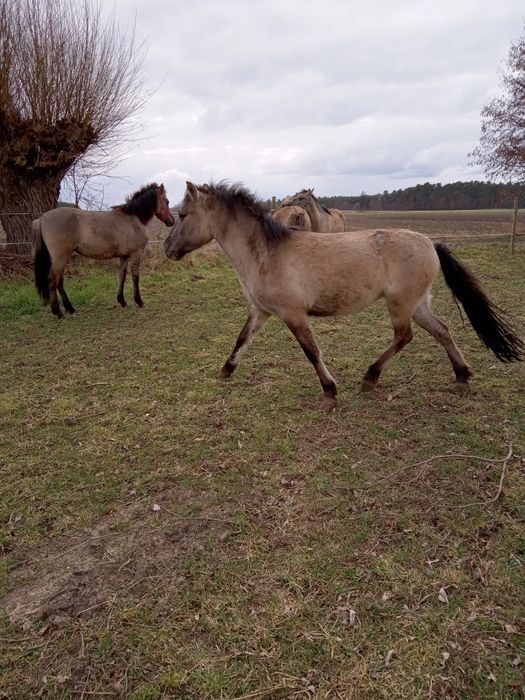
<point x="236" y="196"/>
<point x="142" y="203"/>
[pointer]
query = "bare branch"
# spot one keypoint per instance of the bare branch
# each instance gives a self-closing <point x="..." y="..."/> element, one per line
<point x="70" y="79"/>
<point x="501" y="148"/>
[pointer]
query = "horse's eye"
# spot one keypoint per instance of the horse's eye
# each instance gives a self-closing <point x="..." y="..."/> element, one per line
<point x="181" y="216"/>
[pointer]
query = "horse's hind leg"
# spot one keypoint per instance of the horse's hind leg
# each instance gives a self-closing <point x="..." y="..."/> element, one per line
<point x="305" y="338"/>
<point x="123" y="268"/>
<point x="402" y="336"/>
<point x="55" y="275"/>
<point x="253" y="323"/>
<point x="135" y="265"/>
<point x="424" y="317"/>
<point x="68" y="306"/>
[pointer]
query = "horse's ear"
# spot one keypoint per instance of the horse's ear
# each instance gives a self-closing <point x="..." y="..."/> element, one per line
<point x="192" y="190"/>
<point x="161" y="188"/>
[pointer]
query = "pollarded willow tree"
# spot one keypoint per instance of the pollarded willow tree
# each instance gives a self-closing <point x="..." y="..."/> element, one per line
<point x="501" y="148"/>
<point x="69" y="82"/>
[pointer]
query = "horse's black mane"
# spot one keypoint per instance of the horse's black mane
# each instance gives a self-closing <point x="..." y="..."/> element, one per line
<point x="237" y="196"/>
<point x="142" y="203"/>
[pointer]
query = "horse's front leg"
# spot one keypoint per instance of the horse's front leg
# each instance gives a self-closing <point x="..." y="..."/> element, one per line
<point x="306" y="340"/>
<point x="134" y="260"/>
<point x="123" y="268"/>
<point x="255" y="320"/>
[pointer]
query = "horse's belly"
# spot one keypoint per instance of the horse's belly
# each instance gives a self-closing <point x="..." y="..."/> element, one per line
<point x="342" y="303"/>
<point x="91" y="250"/>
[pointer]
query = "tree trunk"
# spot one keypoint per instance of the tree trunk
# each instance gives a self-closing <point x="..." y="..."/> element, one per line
<point x="23" y="199"/>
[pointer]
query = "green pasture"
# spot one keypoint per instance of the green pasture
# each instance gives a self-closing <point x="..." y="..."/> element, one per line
<point x="167" y="534"/>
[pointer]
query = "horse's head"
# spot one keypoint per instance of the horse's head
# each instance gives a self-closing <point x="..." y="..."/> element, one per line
<point x="298" y="199"/>
<point x="195" y="224"/>
<point x="162" y="207"/>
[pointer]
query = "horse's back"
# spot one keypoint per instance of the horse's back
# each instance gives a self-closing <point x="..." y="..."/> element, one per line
<point x="99" y="235"/>
<point x="353" y="268"/>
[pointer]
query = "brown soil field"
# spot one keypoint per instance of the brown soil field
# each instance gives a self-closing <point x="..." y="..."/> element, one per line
<point x="459" y="226"/>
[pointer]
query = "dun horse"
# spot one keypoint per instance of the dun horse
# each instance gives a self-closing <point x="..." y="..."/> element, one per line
<point x="119" y="233"/>
<point x="322" y="218"/>
<point x="296" y="274"/>
<point x="293" y="217"/>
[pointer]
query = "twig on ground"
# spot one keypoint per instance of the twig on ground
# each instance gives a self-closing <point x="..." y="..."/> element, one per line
<point x="259" y="693"/>
<point x="500" y="485"/>
<point x="435" y="458"/>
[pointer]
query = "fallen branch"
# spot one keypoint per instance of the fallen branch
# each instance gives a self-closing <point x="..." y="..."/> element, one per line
<point x="435" y="458"/>
<point x="500" y="486"/>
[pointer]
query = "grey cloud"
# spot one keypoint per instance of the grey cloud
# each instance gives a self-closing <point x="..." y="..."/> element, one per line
<point x="341" y="94"/>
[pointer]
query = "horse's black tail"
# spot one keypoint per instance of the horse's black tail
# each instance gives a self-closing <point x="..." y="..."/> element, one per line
<point x="41" y="261"/>
<point x="486" y="318"/>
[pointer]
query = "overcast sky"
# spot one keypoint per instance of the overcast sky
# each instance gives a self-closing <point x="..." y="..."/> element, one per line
<point x="340" y="95"/>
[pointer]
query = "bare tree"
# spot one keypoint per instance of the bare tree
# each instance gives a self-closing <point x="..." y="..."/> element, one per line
<point x="69" y="81"/>
<point x="501" y="149"/>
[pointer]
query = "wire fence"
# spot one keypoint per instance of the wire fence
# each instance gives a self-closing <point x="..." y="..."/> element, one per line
<point x="35" y="215"/>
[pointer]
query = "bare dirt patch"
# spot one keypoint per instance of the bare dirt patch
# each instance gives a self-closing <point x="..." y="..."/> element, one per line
<point x="123" y="554"/>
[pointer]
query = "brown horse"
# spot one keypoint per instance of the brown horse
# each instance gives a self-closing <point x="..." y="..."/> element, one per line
<point x="293" y="217"/>
<point x="322" y="218"/>
<point x="119" y="233"/>
<point x="296" y="274"/>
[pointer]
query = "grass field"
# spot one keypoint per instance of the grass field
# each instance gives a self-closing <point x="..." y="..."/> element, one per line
<point x="166" y="534"/>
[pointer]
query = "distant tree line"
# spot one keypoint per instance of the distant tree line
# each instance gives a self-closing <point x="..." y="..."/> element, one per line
<point x="455" y="195"/>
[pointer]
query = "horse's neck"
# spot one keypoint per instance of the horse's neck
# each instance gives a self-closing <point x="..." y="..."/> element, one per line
<point x="244" y="248"/>
<point x="315" y="212"/>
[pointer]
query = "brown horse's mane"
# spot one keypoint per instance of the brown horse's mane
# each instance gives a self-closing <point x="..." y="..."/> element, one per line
<point x="141" y="203"/>
<point x="236" y="196"/>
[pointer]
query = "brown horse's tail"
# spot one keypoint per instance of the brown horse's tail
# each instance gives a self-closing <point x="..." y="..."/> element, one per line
<point x="486" y="318"/>
<point x="41" y="261"/>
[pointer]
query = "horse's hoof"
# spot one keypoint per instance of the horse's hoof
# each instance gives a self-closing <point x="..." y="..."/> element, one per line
<point x="462" y="388"/>
<point x="367" y="385"/>
<point x="226" y="371"/>
<point x="140" y="304"/>
<point x="70" y="310"/>
<point x="122" y="302"/>
<point x="329" y="403"/>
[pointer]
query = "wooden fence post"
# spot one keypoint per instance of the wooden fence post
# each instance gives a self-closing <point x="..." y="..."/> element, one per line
<point x="514" y="224"/>
<point x="274" y="202"/>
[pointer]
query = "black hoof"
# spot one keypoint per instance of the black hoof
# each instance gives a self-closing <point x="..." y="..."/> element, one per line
<point x="139" y="303"/>
<point x="227" y="370"/>
<point x="121" y="301"/>
<point x="70" y="309"/>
